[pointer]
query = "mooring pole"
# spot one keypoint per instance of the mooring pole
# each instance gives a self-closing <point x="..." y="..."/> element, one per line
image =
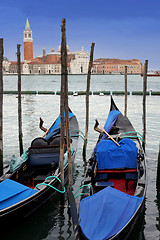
<point x="144" y="101"/>
<point x="62" y="110"/>
<point x="1" y="107"/>
<point x="125" y="76"/>
<point x="158" y="170"/>
<point x="19" y="100"/>
<point x="87" y="100"/>
<point x="64" y="54"/>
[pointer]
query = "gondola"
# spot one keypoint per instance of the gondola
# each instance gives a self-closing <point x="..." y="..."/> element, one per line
<point x="26" y="187"/>
<point x="112" y="196"/>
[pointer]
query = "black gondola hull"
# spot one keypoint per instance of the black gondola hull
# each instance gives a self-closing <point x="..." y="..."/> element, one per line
<point x="121" y="126"/>
<point x="25" y="208"/>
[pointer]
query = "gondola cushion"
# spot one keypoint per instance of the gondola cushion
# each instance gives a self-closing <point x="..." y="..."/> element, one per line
<point x="111" y="156"/>
<point x="39" y="157"/>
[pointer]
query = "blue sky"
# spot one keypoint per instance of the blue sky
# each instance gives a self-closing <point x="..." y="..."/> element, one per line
<point x="122" y="29"/>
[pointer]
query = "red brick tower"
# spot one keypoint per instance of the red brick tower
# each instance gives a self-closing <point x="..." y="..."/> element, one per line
<point x="28" y="42"/>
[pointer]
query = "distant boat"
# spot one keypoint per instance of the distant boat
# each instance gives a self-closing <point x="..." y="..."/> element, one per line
<point x="152" y="74"/>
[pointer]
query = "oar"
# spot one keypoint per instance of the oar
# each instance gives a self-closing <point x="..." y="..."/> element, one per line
<point x="74" y="215"/>
<point x="100" y="129"/>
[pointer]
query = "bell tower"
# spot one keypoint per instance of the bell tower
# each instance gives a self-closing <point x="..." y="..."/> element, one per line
<point x="28" y="42"/>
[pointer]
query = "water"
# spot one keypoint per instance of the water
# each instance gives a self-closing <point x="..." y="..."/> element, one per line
<point x="53" y="221"/>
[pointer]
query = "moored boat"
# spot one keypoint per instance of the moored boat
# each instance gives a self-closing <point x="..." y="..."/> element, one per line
<point x="113" y="191"/>
<point x="152" y="74"/>
<point x="35" y="177"/>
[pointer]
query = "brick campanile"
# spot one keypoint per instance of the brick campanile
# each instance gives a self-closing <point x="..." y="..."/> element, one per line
<point x="28" y="42"/>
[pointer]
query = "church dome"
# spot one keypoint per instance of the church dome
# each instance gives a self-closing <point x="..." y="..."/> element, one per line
<point x="59" y="49"/>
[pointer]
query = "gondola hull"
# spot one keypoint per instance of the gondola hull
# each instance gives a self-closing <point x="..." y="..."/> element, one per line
<point x="26" y="208"/>
<point x="45" y="186"/>
<point x="113" y="192"/>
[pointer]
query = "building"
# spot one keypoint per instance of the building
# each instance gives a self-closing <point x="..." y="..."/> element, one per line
<point x="48" y="63"/>
<point x="28" y="42"/>
<point x="77" y="62"/>
<point x="116" y="66"/>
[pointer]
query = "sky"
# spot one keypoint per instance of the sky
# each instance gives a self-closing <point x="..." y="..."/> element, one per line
<point x="121" y="29"/>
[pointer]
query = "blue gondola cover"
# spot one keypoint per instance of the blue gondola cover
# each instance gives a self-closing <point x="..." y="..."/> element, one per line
<point x="55" y="128"/>
<point x="13" y="192"/>
<point x="100" y="214"/>
<point x="111" y="156"/>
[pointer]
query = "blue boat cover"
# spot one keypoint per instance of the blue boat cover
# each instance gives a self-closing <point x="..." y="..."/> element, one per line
<point x="54" y="129"/>
<point x="12" y="192"/>
<point x="105" y="213"/>
<point x="111" y="156"/>
<point x="112" y="117"/>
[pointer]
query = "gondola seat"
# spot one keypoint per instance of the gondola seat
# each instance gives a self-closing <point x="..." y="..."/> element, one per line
<point x="101" y="177"/>
<point x="101" y="185"/>
<point x="44" y="159"/>
<point x="130" y="177"/>
<point x="44" y="152"/>
<point x="43" y="156"/>
<point x="37" y="142"/>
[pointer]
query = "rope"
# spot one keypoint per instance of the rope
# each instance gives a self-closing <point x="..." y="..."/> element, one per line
<point x="78" y="131"/>
<point x="134" y="137"/>
<point x="81" y="194"/>
<point x="86" y="185"/>
<point x="46" y="184"/>
<point x="133" y="132"/>
<point x="77" y="135"/>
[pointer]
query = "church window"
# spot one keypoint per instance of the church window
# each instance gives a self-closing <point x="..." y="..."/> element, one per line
<point x="25" y="35"/>
<point x="29" y="35"/>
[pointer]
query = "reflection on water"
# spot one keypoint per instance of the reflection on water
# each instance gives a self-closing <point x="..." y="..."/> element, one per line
<point x="53" y="221"/>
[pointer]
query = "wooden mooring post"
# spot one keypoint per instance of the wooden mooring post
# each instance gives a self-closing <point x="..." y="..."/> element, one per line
<point x="144" y="101"/>
<point x="19" y="100"/>
<point x="125" y="101"/>
<point x="1" y="106"/>
<point x="62" y="108"/>
<point x="158" y="170"/>
<point x="65" y="73"/>
<point x="87" y="100"/>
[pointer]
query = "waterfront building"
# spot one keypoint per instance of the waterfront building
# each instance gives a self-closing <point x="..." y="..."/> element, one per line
<point x="116" y="66"/>
<point x="77" y="62"/>
<point x="6" y="65"/>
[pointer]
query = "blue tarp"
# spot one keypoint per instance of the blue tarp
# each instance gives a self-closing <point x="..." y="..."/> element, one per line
<point x="12" y="192"/>
<point x="112" y="117"/>
<point x="105" y="213"/>
<point x="56" y="126"/>
<point x="111" y="156"/>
